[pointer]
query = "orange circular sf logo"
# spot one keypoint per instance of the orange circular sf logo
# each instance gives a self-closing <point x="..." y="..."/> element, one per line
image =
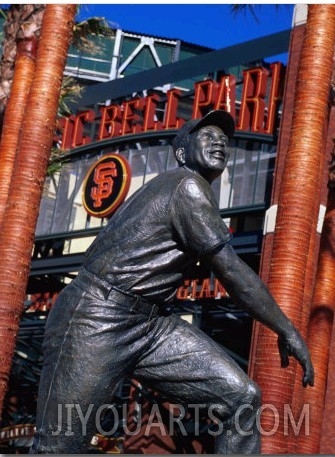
<point x="106" y="185"/>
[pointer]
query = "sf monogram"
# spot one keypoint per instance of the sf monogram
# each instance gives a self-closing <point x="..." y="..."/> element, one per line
<point x="106" y="185"/>
<point x="103" y="177"/>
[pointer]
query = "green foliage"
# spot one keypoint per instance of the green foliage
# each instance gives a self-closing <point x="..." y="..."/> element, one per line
<point x="248" y="8"/>
<point x="82" y="31"/>
<point x="3" y="13"/>
<point x="70" y="92"/>
<point x="245" y="9"/>
<point x="56" y="161"/>
<point x="3" y="17"/>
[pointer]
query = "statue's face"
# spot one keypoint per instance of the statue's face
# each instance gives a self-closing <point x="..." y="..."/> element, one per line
<point x="206" y="152"/>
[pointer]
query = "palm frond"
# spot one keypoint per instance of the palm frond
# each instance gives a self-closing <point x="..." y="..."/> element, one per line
<point x="70" y="92"/>
<point x="56" y="161"/>
<point x="249" y="8"/>
<point x="245" y="9"/>
<point x="3" y="13"/>
<point x="96" y="26"/>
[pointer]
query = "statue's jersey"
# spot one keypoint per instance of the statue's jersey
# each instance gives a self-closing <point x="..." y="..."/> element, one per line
<point x="161" y="230"/>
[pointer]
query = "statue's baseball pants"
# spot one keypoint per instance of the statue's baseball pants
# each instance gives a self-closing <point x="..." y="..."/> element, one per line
<point x="96" y="335"/>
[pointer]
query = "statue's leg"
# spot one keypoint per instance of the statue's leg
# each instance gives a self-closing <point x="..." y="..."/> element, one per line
<point x="91" y="343"/>
<point x="190" y="369"/>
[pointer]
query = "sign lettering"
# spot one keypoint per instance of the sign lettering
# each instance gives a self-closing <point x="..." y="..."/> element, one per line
<point x="195" y="289"/>
<point x="257" y="108"/>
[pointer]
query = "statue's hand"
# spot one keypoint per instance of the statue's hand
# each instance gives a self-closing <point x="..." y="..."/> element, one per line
<point x="294" y="345"/>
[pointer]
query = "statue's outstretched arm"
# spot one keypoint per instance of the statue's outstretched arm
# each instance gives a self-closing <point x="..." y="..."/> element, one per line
<point x="248" y="291"/>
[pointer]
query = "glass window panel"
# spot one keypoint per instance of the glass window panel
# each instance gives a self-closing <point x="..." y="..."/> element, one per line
<point x="156" y="164"/>
<point x="94" y="222"/>
<point x="47" y="206"/>
<point x="79" y="215"/>
<point x="79" y="244"/>
<point x="171" y="161"/>
<point x="236" y="174"/>
<point x="128" y="47"/>
<point x="135" y="184"/>
<point x="69" y="212"/>
<point x="165" y="52"/>
<point x="248" y="171"/>
<point x="248" y="177"/>
<point x="65" y="197"/>
<point x="265" y="174"/>
<point x="137" y="160"/>
<point x="142" y="61"/>
<point x="246" y="181"/>
<point x="225" y="189"/>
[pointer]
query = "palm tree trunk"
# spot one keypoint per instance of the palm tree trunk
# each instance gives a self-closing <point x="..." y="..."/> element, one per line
<point x="11" y="29"/>
<point x="14" y="114"/>
<point x="297" y="216"/>
<point x="30" y="169"/>
<point x="22" y="22"/>
<point x="320" y="325"/>
<point x="298" y="390"/>
<point x="310" y="279"/>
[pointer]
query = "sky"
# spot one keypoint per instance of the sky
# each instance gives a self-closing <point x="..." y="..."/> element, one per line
<point x="212" y="25"/>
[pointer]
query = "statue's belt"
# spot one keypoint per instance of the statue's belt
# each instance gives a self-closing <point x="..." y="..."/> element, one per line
<point x="132" y="302"/>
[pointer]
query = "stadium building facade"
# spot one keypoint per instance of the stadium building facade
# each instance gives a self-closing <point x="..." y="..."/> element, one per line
<point x="138" y="90"/>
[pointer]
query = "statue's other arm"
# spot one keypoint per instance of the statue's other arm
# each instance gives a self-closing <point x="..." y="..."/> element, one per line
<point x="248" y="291"/>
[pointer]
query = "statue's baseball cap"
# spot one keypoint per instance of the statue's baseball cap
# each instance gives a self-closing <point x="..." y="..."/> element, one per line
<point x="220" y="118"/>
